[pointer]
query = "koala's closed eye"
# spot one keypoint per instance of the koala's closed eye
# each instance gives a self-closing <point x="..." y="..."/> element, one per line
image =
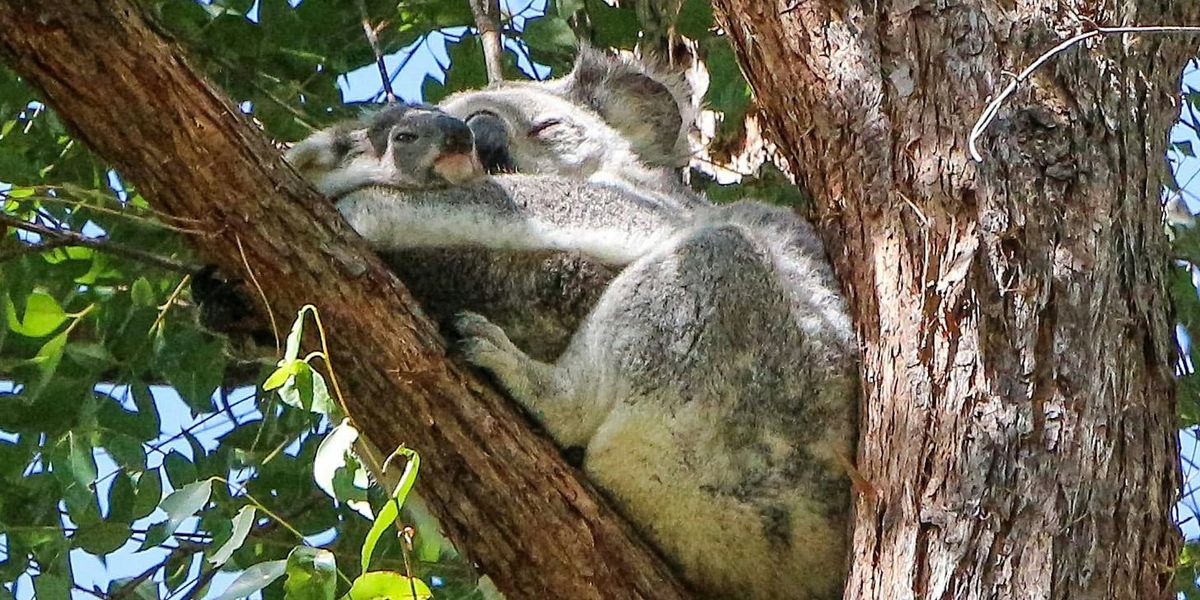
<point x="542" y="126"/>
<point x="404" y="137"/>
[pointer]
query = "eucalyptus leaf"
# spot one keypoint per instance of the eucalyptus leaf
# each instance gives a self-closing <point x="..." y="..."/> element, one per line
<point x="253" y="579"/>
<point x="185" y="503"/>
<point x="331" y="456"/>
<point x="43" y="315"/>
<point x="391" y="509"/>
<point x="241" y="528"/>
<point x="388" y="584"/>
<point x="102" y="537"/>
<point x="311" y="574"/>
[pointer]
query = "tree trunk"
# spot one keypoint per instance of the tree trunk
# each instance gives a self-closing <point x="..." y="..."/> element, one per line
<point x="1019" y="428"/>
<point x="502" y="493"/>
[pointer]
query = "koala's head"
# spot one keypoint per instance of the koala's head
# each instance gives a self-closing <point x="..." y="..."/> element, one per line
<point x="401" y="146"/>
<point x="609" y="114"/>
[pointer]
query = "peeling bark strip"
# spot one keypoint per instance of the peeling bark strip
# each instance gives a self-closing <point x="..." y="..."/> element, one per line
<point x="1019" y="415"/>
<point x="502" y="493"/>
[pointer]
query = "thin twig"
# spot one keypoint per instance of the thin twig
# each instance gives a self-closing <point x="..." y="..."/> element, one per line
<point x="100" y="243"/>
<point x="373" y="39"/>
<point x="487" y="22"/>
<point x="989" y="113"/>
<point x="261" y="293"/>
<point x="132" y="584"/>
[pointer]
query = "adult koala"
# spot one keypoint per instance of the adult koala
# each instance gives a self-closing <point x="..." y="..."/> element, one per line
<point x="712" y="383"/>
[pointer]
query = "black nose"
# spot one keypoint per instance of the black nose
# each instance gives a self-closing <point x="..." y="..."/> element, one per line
<point x="456" y="136"/>
<point x="491" y="142"/>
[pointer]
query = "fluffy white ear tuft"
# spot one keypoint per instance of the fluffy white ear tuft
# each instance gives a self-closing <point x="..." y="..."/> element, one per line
<point x="312" y="153"/>
<point x="651" y="109"/>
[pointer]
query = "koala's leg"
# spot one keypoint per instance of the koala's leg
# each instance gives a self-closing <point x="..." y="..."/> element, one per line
<point x="548" y="391"/>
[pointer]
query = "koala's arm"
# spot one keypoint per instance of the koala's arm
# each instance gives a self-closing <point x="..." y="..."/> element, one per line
<point x="518" y="213"/>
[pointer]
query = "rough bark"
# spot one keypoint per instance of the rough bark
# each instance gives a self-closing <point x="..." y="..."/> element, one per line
<point x="1019" y="428"/>
<point x="501" y="492"/>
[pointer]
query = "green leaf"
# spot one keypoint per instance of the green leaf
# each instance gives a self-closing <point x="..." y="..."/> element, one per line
<point x="49" y="586"/>
<point x="615" y="26"/>
<point x="334" y="455"/>
<point x="241" y="528"/>
<point x="142" y="292"/>
<point x="91" y="355"/>
<point x="303" y="388"/>
<point x="388" y="584"/>
<point x="20" y="192"/>
<point x="43" y="315"/>
<point x="568" y="8"/>
<point x="180" y="470"/>
<point x="146" y="589"/>
<point x="185" y="503"/>
<point x="155" y="536"/>
<point x="291" y="349"/>
<point x="101" y="538"/>
<point x="695" y="19"/>
<point x="391" y="508"/>
<point x="550" y="34"/>
<point x="120" y="499"/>
<point x="81" y="460"/>
<point x="148" y="494"/>
<point x="283" y="372"/>
<point x="124" y="450"/>
<point x="254" y="579"/>
<point x="311" y="574"/>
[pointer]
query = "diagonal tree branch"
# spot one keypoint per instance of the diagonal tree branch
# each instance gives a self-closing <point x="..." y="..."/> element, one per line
<point x="503" y="494"/>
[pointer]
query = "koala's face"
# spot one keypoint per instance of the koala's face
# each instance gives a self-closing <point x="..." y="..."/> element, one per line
<point x="522" y="127"/>
<point x="403" y="146"/>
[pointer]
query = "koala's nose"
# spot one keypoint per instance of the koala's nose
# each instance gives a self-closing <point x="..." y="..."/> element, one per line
<point x="491" y="142"/>
<point x="456" y="136"/>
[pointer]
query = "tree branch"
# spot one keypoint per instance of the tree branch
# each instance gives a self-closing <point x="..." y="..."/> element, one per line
<point x="502" y="493"/>
<point x="487" y="21"/>
<point x="66" y="237"/>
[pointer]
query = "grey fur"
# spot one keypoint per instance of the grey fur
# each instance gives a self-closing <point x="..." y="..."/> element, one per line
<point x="712" y="384"/>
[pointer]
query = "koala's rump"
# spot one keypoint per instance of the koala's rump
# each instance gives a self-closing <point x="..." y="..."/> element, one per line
<point x="722" y="447"/>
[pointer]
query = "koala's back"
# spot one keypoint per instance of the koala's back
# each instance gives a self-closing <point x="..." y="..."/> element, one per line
<point x="729" y="375"/>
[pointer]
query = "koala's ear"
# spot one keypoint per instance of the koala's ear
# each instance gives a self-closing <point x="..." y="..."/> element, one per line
<point x="653" y="111"/>
<point x="321" y="151"/>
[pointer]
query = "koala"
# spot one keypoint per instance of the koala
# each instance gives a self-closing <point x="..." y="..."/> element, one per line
<point x="503" y="247"/>
<point x="711" y="379"/>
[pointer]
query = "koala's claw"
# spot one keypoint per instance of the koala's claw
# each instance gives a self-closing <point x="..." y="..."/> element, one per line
<point x="483" y="343"/>
<point x="473" y="325"/>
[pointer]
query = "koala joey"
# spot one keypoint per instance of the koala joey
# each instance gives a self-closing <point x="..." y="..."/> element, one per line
<point x="711" y="382"/>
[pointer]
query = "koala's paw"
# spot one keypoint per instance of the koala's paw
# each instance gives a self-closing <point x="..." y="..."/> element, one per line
<point x="484" y="344"/>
